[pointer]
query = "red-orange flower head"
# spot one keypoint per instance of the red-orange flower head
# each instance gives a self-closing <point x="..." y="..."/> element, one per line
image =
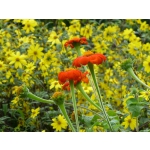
<point x="70" y="74"/>
<point x="75" y="40"/>
<point x="89" y="57"/>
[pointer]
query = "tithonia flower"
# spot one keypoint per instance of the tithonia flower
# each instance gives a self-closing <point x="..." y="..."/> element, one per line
<point x="66" y="85"/>
<point x="75" y="40"/>
<point x="89" y="57"/>
<point x="70" y="74"/>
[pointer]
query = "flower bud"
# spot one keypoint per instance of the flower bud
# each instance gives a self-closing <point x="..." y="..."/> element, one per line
<point x="58" y="97"/>
<point x="128" y="63"/>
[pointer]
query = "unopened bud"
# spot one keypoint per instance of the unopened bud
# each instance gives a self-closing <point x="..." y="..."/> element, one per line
<point x="58" y="97"/>
<point x="128" y="63"/>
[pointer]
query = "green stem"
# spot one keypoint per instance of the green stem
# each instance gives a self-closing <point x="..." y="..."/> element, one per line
<point x="63" y="110"/>
<point x="137" y="124"/>
<point x="34" y="97"/>
<point x="131" y="72"/>
<point x="77" y="47"/>
<point x="74" y="103"/>
<point x="79" y="87"/>
<point x="91" y="82"/>
<point x="99" y="94"/>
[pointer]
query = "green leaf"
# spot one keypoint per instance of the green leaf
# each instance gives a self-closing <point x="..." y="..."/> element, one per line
<point x="135" y="110"/>
<point x="111" y="113"/>
<point x="94" y="119"/>
<point x="131" y="101"/>
<point x="134" y="106"/>
<point x="5" y="108"/>
<point x="20" y="71"/>
<point x="87" y="120"/>
<point x="21" y="113"/>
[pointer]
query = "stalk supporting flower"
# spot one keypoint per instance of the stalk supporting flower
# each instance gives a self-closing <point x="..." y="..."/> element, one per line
<point x="127" y="66"/>
<point x="131" y="72"/>
<point x="79" y="87"/>
<point x="39" y="99"/>
<point x="58" y="98"/>
<point x="89" y="57"/>
<point x="74" y="103"/>
<point x="74" y="76"/>
<point x="63" y="110"/>
<point x="99" y="94"/>
<point x="25" y="93"/>
<point x="77" y="47"/>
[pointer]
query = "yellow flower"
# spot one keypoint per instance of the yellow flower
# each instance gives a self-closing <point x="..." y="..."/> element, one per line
<point x="87" y="89"/>
<point x="134" y="47"/>
<point x="54" y="84"/>
<point x="145" y="94"/>
<point x="82" y="130"/>
<point x="75" y="26"/>
<point x="131" y="122"/>
<point x="2" y="66"/>
<point x="43" y="65"/>
<point x="144" y="26"/>
<point x="128" y="34"/>
<point x="15" y="100"/>
<point x="49" y="57"/>
<point x="29" y="68"/>
<point x="6" y="34"/>
<point x="146" y="64"/>
<point x="100" y="47"/>
<point x="35" y="112"/>
<point x="86" y="31"/>
<point x="98" y="129"/>
<point x="108" y="74"/>
<point x="54" y="38"/>
<point x="109" y="33"/>
<point x="29" y="25"/>
<point x="146" y="47"/>
<point x="59" y="123"/>
<point x="116" y="102"/>
<point x="35" y="52"/>
<point x="17" y="59"/>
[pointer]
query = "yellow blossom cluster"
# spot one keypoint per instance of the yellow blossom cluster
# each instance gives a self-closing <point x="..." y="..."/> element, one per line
<point x="32" y="52"/>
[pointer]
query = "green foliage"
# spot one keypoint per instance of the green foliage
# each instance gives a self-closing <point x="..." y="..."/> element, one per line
<point x="134" y="106"/>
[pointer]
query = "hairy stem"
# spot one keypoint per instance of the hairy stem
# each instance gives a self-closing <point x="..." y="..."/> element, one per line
<point x="34" y="97"/>
<point x="79" y="87"/>
<point x="99" y="94"/>
<point x="131" y="72"/>
<point x="63" y="110"/>
<point x="77" y="47"/>
<point x="74" y="103"/>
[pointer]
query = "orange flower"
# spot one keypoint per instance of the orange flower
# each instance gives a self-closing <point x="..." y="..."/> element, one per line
<point x="89" y="57"/>
<point x="70" y="74"/>
<point x="75" y="40"/>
